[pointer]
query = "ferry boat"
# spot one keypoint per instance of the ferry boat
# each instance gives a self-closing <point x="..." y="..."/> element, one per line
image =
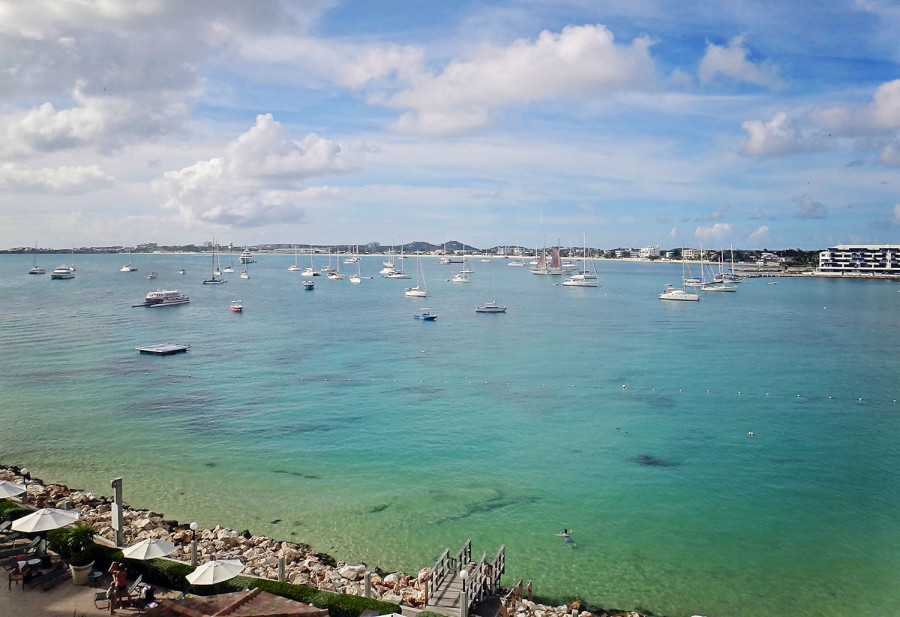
<point x="162" y="297"/>
<point x="62" y="272"/>
<point x="247" y="257"/>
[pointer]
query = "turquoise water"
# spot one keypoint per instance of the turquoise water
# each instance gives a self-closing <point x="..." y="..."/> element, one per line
<point x="383" y="439"/>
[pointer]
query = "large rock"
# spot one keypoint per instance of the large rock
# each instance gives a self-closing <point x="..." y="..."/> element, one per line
<point x="352" y="573"/>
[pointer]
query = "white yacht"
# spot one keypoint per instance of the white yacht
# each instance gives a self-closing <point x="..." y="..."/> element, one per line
<point x="677" y="293"/>
<point x="164" y="298"/>
<point x="490" y="307"/>
<point x="247" y="257"/>
<point x="62" y="272"/>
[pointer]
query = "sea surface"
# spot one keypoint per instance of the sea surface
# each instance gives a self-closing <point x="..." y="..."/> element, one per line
<point x="334" y="418"/>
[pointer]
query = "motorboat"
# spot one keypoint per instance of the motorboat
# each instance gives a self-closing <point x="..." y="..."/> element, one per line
<point x="61" y="273"/>
<point x="335" y="276"/>
<point x="162" y="297"/>
<point x="718" y="287"/>
<point x="310" y="272"/>
<point x="308" y="285"/>
<point x="449" y="260"/>
<point x="247" y="257"/>
<point x="237" y="306"/>
<point x="152" y="274"/>
<point x="490" y="307"/>
<point x="396" y="275"/>
<point x="425" y="315"/>
<point x="678" y="293"/>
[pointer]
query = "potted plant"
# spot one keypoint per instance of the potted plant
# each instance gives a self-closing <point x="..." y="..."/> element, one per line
<point x="75" y="545"/>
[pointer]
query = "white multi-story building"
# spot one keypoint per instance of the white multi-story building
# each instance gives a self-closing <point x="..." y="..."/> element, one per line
<point x="650" y="252"/>
<point x="860" y="259"/>
<point x="693" y="254"/>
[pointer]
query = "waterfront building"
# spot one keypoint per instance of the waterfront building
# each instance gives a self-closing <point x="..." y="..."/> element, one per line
<point x="860" y="259"/>
<point x="650" y="252"/>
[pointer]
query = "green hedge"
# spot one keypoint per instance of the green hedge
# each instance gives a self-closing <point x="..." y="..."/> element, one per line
<point x="338" y="604"/>
<point x="10" y="510"/>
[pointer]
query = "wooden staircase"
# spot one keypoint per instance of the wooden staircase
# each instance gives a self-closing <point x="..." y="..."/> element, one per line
<point x="456" y="583"/>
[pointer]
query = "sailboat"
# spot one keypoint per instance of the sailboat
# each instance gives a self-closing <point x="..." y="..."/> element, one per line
<point x="335" y="273"/>
<point x="295" y="267"/>
<point x="463" y="275"/>
<point x="420" y="290"/>
<point x="678" y="293"/>
<point x="127" y="267"/>
<point x="310" y="271"/>
<point x="230" y="266"/>
<point x="517" y="262"/>
<point x="216" y="273"/>
<point x="245" y="274"/>
<point x="356" y="279"/>
<point x="541" y="266"/>
<point x="397" y="274"/>
<point x="36" y="269"/>
<point x="587" y="277"/>
<point x="714" y="285"/>
<point x="556" y="268"/>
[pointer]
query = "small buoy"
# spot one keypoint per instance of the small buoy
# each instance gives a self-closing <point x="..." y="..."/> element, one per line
<point x="859" y="399"/>
<point x="679" y="389"/>
<point x="798" y="396"/>
<point x="829" y="397"/>
<point x="739" y="392"/>
<point x="767" y="394"/>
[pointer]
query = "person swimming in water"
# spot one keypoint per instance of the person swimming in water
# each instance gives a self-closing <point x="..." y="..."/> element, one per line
<point x="565" y="533"/>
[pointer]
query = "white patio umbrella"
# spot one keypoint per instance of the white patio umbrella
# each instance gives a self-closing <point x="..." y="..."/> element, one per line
<point x="45" y="519"/>
<point x="213" y="572"/>
<point x="10" y="489"/>
<point x="149" y="549"/>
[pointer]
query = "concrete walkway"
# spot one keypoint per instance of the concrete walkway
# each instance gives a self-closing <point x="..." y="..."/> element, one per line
<point x="63" y="600"/>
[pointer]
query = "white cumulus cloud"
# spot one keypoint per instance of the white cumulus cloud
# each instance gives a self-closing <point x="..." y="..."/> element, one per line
<point x="759" y="236"/>
<point x="578" y="63"/>
<point x="61" y="180"/>
<point x="775" y="137"/>
<point x="719" y="231"/>
<point x="808" y="208"/>
<point x="731" y="61"/>
<point x="259" y="179"/>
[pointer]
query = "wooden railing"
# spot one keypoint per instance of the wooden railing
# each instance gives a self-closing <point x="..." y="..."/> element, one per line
<point x="446" y="564"/>
<point x="510" y="600"/>
<point x="480" y="580"/>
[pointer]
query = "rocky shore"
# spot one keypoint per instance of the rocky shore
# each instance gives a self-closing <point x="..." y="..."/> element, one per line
<point x="260" y="554"/>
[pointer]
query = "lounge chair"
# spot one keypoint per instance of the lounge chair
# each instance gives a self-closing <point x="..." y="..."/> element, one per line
<point x="19" y="550"/>
<point x="100" y="596"/>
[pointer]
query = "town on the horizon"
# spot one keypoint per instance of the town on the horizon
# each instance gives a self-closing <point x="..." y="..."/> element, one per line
<point x="856" y="259"/>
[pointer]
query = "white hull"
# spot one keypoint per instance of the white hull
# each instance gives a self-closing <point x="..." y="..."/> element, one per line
<point x="673" y="293"/>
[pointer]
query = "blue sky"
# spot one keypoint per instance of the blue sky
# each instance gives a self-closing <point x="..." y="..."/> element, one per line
<point x="635" y="123"/>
